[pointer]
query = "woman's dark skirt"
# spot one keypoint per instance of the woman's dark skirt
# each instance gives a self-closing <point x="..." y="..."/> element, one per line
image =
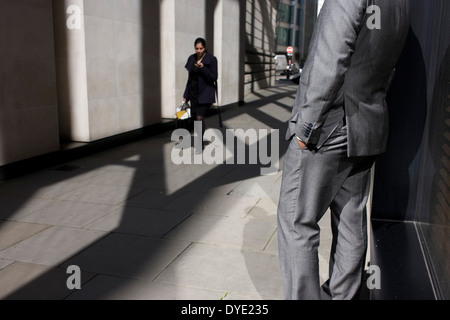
<point x="200" y="110"/>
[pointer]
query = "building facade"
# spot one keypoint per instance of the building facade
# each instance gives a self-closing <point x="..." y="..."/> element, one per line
<point x="295" y="24"/>
<point x="85" y="70"/>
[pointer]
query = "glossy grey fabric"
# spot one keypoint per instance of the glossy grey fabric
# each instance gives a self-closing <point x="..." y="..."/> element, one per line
<point x="341" y="114"/>
<point x="350" y="66"/>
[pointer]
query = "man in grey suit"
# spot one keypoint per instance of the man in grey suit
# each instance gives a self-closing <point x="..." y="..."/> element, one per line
<point x="339" y="125"/>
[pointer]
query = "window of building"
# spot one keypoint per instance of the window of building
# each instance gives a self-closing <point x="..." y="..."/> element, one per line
<point x="284" y="36"/>
<point x="285" y="13"/>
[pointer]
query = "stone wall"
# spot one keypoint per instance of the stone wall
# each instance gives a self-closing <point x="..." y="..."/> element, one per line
<point x="108" y="66"/>
<point x="28" y="95"/>
<point x="85" y="70"/>
<point x="260" y="43"/>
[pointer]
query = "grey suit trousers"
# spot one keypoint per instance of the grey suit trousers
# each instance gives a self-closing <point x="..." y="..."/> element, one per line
<point x="313" y="182"/>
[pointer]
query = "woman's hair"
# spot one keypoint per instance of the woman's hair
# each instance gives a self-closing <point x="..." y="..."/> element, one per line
<point x="200" y="40"/>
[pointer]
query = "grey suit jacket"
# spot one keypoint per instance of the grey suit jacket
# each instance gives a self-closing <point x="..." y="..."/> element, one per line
<point x="348" y="73"/>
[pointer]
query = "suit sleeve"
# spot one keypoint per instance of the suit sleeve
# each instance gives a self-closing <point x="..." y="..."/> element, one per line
<point x="332" y="45"/>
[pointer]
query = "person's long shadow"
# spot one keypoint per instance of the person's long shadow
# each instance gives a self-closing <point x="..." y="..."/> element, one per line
<point x="407" y="100"/>
<point x="397" y="178"/>
<point x="434" y="220"/>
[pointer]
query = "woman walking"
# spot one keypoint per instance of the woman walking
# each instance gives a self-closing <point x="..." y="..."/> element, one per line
<point x="201" y="85"/>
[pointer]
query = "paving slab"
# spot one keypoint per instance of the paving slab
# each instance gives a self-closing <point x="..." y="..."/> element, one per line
<point x="118" y="178"/>
<point x="167" y="182"/>
<point x="225" y="269"/>
<point x="130" y="256"/>
<point x="247" y="172"/>
<point x="26" y="281"/>
<point x="4" y="263"/>
<point x="228" y="231"/>
<point x="213" y="204"/>
<point x="65" y="173"/>
<point x="12" y="232"/>
<point x="326" y="237"/>
<point x="265" y="209"/>
<point x="139" y="221"/>
<point x="13" y="207"/>
<point x="112" y="195"/>
<point x="35" y="188"/>
<point x="200" y="170"/>
<point x="221" y="186"/>
<point x="244" y="297"/>
<point x="69" y="214"/>
<point x="263" y="189"/>
<point x="151" y="199"/>
<point x="52" y="246"/>
<point x="105" y="287"/>
<point x="272" y="246"/>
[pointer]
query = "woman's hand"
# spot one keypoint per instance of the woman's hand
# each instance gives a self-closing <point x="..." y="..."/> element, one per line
<point x="199" y="65"/>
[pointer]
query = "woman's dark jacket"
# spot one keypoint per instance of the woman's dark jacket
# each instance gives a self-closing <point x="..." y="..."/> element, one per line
<point x="207" y="77"/>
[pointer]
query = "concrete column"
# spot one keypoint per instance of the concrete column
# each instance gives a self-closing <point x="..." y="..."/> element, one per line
<point x="109" y="66"/>
<point x="182" y="21"/>
<point x="260" y="33"/>
<point x="70" y="51"/>
<point x="169" y="93"/>
<point x="28" y="99"/>
<point x="227" y="41"/>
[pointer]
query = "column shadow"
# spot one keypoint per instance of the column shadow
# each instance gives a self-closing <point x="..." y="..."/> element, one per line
<point x="128" y="239"/>
<point x="135" y="247"/>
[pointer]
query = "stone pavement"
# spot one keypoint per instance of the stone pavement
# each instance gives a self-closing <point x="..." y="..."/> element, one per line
<point x="140" y="227"/>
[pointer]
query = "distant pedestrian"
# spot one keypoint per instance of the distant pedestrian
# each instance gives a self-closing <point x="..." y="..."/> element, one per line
<point x="201" y="85"/>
